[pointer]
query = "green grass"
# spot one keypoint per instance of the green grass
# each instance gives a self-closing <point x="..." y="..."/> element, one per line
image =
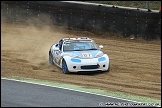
<point x="96" y="91"/>
<point x="154" y="5"/>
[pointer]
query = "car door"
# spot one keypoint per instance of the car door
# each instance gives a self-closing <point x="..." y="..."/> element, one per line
<point x="57" y="56"/>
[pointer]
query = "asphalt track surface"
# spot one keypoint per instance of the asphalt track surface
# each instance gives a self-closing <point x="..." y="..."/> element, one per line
<point x="22" y="94"/>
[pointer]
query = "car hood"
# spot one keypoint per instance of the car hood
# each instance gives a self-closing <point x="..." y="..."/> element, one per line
<point x="83" y="54"/>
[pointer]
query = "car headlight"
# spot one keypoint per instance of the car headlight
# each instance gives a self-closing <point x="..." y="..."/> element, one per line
<point x="101" y="59"/>
<point x="76" y="60"/>
<point x="99" y="54"/>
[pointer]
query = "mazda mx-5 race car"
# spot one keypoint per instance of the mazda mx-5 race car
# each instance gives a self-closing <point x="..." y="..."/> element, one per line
<point x="78" y="55"/>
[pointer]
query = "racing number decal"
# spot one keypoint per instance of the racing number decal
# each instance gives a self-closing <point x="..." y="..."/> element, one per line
<point x="86" y="55"/>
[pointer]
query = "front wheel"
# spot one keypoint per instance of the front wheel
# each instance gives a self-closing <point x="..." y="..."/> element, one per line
<point x="64" y="67"/>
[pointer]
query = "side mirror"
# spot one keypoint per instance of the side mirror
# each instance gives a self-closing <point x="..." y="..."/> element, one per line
<point x="100" y="46"/>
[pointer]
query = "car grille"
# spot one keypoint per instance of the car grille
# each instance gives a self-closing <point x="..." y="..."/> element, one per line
<point x="90" y="67"/>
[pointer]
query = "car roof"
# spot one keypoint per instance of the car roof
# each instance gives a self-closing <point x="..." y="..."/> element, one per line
<point x="77" y="39"/>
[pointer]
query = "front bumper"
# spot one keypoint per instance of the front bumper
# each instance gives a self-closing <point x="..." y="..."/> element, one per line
<point x="88" y="65"/>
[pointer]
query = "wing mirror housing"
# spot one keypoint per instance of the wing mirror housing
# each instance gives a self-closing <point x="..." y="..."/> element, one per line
<point x="100" y="46"/>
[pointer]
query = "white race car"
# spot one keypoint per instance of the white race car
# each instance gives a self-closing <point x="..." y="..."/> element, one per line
<point x="78" y="55"/>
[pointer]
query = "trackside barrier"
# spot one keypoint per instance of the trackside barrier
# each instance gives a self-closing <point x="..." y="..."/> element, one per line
<point x="96" y="18"/>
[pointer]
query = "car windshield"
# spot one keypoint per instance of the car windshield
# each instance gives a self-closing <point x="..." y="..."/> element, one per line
<point x="79" y="46"/>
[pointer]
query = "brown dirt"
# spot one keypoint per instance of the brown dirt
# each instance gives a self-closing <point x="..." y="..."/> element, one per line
<point x="135" y="64"/>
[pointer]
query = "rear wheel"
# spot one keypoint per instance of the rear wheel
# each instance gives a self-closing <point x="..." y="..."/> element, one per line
<point x="64" y="67"/>
<point x="50" y="58"/>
